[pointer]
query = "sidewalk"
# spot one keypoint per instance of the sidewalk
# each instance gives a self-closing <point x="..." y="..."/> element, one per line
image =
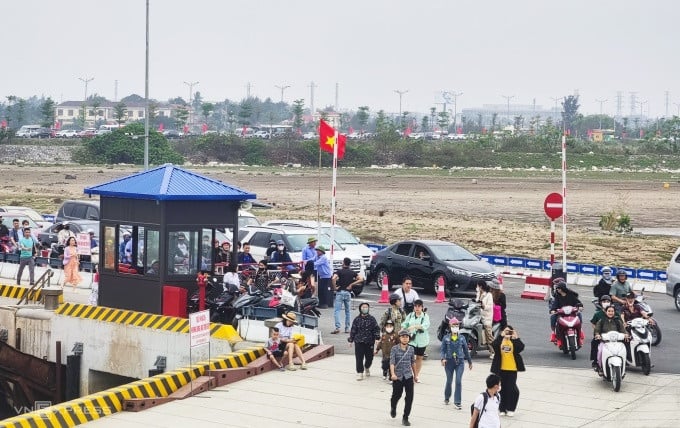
<point x="327" y="395"/>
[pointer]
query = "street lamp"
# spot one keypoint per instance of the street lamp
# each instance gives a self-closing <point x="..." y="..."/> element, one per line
<point x="508" y="98"/>
<point x="601" y="103"/>
<point x="282" y="88"/>
<point x="85" y="80"/>
<point x="146" y="93"/>
<point x="453" y="95"/>
<point x="401" y="93"/>
<point x="678" y="106"/>
<point x="191" y="91"/>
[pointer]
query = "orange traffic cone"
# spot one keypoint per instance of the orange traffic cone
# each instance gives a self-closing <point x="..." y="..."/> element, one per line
<point x="441" y="298"/>
<point x="385" y="293"/>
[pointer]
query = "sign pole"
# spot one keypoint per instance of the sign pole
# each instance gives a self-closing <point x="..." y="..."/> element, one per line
<point x="564" y="202"/>
<point x="552" y="242"/>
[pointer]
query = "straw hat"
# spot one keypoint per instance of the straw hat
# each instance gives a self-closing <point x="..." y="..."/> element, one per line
<point x="290" y="316"/>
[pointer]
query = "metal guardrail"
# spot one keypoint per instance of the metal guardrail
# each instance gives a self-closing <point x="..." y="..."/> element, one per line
<point x="33" y="291"/>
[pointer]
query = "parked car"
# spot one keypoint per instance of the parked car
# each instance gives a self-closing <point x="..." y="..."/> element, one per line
<point x="30" y="212"/>
<point x="310" y="136"/>
<point x="295" y="240"/>
<point x="9" y="216"/>
<point x="425" y="261"/>
<point x="673" y="278"/>
<point x="261" y="134"/>
<point x="49" y="236"/>
<point x="26" y="130"/>
<point x="78" y="210"/>
<point x="89" y="132"/>
<point x="349" y="242"/>
<point x="171" y="133"/>
<point x="102" y="131"/>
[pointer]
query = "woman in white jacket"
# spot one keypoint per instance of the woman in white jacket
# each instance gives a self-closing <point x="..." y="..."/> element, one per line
<point x="485" y="298"/>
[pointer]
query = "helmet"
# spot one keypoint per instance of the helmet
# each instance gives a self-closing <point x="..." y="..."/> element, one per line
<point x="605" y="297"/>
<point x="394" y="297"/>
<point x="621" y="271"/>
<point x="606" y="269"/>
<point x="454" y="321"/>
<point x="561" y="285"/>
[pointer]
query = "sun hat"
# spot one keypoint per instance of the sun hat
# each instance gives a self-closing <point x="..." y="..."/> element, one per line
<point x="311" y="239"/>
<point x="321" y="249"/>
<point x="454" y="321"/>
<point x="290" y="316"/>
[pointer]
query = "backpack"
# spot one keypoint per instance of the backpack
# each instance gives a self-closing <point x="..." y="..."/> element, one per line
<point x="443" y="330"/>
<point x="472" y="408"/>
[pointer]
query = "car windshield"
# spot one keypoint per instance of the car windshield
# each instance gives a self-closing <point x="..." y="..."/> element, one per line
<point x="296" y="242"/>
<point x="341" y="235"/>
<point x="452" y="252"/>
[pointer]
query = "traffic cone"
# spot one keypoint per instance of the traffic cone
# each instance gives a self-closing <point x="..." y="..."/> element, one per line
<point x="440" y="291"/>
<point x="385" y="293"/>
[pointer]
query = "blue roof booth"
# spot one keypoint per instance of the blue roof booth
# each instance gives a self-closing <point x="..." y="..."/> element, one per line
<point x="159" y="227"/>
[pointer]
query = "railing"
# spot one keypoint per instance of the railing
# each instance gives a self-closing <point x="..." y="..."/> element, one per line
<point x="32" y="292"/>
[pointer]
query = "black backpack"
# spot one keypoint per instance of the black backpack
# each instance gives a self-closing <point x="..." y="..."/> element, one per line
<point x="443" y="330"/>
<point x="472" y="408"/>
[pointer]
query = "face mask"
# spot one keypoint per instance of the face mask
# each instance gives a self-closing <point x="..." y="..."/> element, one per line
<point x="605" y="305"/>
<point x="499" y="388"/>
<point x="389" y="329"/>
<point x="364" y="311"/>
<point x="454" y="330"/>
<point x="280" y="247"/>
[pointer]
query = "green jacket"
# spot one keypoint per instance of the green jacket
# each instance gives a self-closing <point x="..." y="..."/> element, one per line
<point x="422" y="337"/>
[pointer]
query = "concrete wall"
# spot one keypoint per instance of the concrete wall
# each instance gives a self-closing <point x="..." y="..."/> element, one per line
<point x="8" y="275"/>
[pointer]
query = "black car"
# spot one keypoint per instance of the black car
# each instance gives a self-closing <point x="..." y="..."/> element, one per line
<point x="426" y="261"/>
<point x="49" y="236"/>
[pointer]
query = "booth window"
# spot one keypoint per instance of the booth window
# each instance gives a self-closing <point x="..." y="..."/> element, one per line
<point x="152" y="246"/>
<point x="183" y="252"/>
<point x="109" y="247"/>
<point x="208" y="249"/>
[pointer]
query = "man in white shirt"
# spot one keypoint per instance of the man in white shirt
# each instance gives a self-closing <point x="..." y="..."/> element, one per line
<point x="409" y="295"/>
<point x="485" y="408"/>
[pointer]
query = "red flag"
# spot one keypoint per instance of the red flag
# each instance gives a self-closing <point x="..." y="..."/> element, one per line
<point x="185" y="129"/>
<point x="327" y="139"/>
<point x="3" y="124"/>
<point x="407" y="132"/>
<point x="642" y="133"/>
<point x="351" y="130"/>
<point x="160" y="128"/>
<point x="204" y="128"/>
<point x="57" y="125"/>
<point x="244" y="131"/>
<point x="459" y="130"/>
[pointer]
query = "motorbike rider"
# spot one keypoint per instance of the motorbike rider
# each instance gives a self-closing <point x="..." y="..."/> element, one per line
<point x="611" y="322"/>
<point x="620" y="288"/>
<point x="260" y="280"/>
<point x="604" y="302"/>
<point x="563" y="297"/>
<point x="281" y="257"/>
<point x="604" y="285"/>
<point x="632" y="309"/>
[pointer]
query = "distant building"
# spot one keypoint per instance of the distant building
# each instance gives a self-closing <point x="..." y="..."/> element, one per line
<point x="68" y="112"/>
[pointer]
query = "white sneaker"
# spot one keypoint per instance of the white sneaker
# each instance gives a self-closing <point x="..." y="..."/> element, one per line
<point x="367" y="372"/>
<point x="360" y="376"/>
<point x="509" y="413"/>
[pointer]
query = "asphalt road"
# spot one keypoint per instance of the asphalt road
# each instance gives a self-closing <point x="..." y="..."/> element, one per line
<point x="530" y="319"/>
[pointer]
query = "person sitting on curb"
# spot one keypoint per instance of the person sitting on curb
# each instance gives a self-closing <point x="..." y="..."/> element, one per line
<point x="273" y="349"/>
<point x="289" y="344"/>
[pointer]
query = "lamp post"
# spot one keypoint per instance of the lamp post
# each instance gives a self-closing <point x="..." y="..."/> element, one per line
<point x="146" y="94"/>
<point x="678" y="107"/>
<point x="191" y="92"/>
<point x="601" y="103"/>
<point x="508" y="98"/>
<point x="282" y="88"/>
<point x="453" y="96"/>
<point x="85" y="80"/>
<point x="401" y="93"/>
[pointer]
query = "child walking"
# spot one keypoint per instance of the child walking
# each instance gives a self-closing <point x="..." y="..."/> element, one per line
<point x="388" y="339"/>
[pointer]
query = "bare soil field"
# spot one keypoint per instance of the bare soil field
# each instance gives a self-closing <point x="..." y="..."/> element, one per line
<point x="483" y="212"/>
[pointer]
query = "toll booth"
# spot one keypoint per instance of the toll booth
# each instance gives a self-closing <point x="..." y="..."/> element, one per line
<point x="158" y="229"/>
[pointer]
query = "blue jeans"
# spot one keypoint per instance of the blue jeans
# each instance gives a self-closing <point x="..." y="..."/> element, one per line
<point x="450" y="367"/>
<point x="342" y="298"/>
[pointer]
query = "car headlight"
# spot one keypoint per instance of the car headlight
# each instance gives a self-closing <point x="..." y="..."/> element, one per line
<point x="456" y="271"/>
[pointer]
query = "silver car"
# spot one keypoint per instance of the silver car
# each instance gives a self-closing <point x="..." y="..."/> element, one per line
<point x="673" y="278"/>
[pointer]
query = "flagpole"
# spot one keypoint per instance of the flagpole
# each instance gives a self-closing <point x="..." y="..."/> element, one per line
<point x="335" y="176"/>
<point x="318" y="201"/>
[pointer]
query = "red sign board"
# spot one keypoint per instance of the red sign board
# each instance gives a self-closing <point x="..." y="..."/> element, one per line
<point x="553" y="206"/>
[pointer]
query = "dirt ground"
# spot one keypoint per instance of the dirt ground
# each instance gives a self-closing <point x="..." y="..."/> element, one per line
<point x="502" y="216"/>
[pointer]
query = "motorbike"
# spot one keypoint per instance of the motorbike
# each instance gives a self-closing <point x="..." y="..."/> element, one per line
<point x="653" y="328"/>
<point x="250" y="298"/>
<point x="472" y="329"/>
<point x="639" y="351"/>
<point x="6" y="245"/>
<point x="568" y="333"/>
<point x="216" y="301"/>
<point x="456" y="310"/>
<point x="613" y="359"/>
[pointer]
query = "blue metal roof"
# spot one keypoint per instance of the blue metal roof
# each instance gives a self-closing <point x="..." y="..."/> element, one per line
<point x="169" y="183"/>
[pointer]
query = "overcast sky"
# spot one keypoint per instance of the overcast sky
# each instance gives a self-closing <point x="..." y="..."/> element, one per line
<point x="529" y="49"/>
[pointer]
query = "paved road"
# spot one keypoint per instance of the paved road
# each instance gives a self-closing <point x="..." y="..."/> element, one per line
<point x="530" y="318"/>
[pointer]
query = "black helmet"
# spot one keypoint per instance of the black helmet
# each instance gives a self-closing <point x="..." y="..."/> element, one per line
<point x="394" y="297"/>
<point x="561" y="285"/>
<point x="605" y="297"/>
<point x="621" y="271"/>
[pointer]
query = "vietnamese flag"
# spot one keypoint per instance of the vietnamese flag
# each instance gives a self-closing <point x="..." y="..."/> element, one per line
<point x="327" y="139"/>
<point x="57" y="125"/>
<point x="408" y="131"/>
<point x="3" y="124"/>
<point x="160" y="128"/>
<point x="204" y="128"/>
<point x="185" y="129"/>
<point x="351" y="130"/>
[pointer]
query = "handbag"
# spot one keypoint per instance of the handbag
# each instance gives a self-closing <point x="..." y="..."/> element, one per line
<point x="497" y="313"/>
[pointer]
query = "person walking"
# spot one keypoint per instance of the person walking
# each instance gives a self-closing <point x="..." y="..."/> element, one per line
<point x="394" y="312"/>
<point x="364" y="334"/>
<point x="388" y="339"/>
<point x="485" y="408"/>
<point x="499" y="304"/>
<point x="343" y="280"/>
<point x="402" y="373"/>
<point x="454" y="353"/>
<point x="408" y="294"/>
<point x="485" y="298"/>
<point x="506" y="363"/>
<point x="71" y="263"/>
<point x="323" y="269"/>
<point x="26" y="247"/>
<point x="417" y="323"/>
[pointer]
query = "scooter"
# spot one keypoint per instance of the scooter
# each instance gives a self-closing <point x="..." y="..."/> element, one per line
<point x="568" y="333"/>
<point x="639" y="351"/>
<point x="613" y="359"/>
<point x="654" y="328"/>
<point x="456" y="310"/>
<point x="250" y="298"/>
<point x="473" y="329"/>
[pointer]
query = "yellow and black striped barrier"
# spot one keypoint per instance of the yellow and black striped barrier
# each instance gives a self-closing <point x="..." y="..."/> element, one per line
<point x="18" y="292"/>
<point x="142" y="319"/>
<point x="104" y="403"/>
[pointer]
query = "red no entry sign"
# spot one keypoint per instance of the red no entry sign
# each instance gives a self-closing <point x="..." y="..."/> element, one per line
<point x="553" y="206"/>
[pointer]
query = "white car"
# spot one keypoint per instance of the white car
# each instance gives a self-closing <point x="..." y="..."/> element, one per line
<point x="261" y="134"/>
<point x="309" y="136"/>
<point x="673" y="278"/>
<point x="349" y="242"/>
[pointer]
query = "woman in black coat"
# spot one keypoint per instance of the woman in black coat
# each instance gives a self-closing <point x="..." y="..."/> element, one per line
<point x="507" y="361"/>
